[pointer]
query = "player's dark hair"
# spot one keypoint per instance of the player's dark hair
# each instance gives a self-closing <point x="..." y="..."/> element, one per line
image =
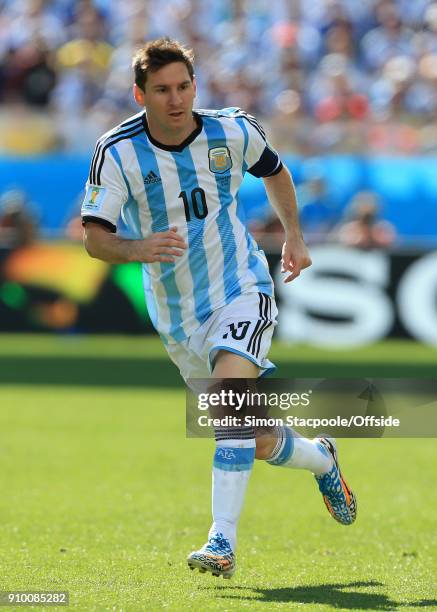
<point x="158" y="53"/>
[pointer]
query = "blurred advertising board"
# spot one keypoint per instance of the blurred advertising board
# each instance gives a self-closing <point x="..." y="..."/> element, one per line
<point x="56" y="286"/>
<point x="350" y="297"/>
<point x="347" y="298"/>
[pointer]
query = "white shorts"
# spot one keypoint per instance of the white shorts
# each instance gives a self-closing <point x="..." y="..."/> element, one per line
<point x="244" y="326"/>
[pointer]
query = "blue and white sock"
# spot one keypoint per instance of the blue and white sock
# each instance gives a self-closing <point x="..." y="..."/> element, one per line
<point x="233" y="463"/>
<point x="293" y="451"/>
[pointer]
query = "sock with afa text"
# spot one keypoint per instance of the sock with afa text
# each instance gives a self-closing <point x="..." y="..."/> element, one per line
<point x="233" y="463"/>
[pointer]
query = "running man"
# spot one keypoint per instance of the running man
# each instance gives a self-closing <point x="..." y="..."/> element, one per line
<point x="173" y="173"/>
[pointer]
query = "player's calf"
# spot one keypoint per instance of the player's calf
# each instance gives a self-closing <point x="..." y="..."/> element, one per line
<point x="233" y="461"/>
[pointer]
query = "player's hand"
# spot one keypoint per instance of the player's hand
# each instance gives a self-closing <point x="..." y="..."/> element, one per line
<point x="161" y="246"/>
<point x="295" y="257"/>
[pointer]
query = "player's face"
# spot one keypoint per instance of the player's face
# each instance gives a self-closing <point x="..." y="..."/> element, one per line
<point x="168" y="98"/>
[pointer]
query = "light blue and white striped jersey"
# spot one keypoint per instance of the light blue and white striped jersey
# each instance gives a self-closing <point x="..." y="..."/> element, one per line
<point x="193" y="186"/>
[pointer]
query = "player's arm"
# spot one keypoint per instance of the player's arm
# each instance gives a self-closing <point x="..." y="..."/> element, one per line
<point x="282" y="196"/>
<point x="102" y="243"/>
<point x="106" y="192"/>
<point x="264" y="162"/>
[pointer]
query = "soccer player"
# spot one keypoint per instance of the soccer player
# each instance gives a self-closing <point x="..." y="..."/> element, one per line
<point x="173" y="173"/>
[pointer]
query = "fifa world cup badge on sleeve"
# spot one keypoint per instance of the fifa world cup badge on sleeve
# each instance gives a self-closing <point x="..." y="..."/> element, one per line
<point x="219" y="159"/>
<point x="93" y="200"/>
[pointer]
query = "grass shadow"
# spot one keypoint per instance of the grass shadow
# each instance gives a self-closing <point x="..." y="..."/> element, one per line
<point x="337" y="595"/>
<point x="113" y="371"/>
<point x="89" y="371"/>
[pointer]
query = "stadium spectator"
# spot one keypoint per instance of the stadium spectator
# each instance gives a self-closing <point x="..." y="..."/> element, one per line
<point x="17" y="225"/>
<point x="28" y="73"/>
<point x="365" y="229"/>
<point x="83" y="62"/>
<point x="317" y="211"/>
<point x="390" y="38"/>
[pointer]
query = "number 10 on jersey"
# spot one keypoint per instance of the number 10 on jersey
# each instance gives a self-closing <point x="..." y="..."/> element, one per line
<point x="194" y="203"/>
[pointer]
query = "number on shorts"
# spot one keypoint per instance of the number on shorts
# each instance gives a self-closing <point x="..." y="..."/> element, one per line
<point x="238" y="331"/>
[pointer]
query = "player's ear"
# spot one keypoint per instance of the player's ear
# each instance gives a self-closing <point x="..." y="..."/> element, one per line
<point x="138" y="95"/>
<point x="195" y="86"/>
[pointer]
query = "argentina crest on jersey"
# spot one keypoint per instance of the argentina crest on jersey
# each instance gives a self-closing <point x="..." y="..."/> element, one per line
<point x="219" y="159"/>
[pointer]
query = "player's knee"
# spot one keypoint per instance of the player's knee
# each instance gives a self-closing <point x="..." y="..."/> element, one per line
<point x="230" y="365"/>
<point x="264" y="447"/>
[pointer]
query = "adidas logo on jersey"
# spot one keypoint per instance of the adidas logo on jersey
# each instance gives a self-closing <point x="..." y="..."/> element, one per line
<point x="151" y="178"/>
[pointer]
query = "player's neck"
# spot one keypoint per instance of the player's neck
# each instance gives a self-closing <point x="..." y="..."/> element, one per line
<point x="171" y="136"/>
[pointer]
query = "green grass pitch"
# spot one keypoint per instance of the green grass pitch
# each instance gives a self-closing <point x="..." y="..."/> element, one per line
<point x="102" y="495"/>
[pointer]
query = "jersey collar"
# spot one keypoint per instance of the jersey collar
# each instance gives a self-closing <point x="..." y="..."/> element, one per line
<point x="180" y="147"/>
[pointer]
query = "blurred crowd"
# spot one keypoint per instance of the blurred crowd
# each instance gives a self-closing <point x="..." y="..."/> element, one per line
<point x="325" y="75"/>
<point x="360" y="225"/>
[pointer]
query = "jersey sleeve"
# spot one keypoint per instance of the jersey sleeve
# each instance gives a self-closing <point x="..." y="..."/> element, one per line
<point x="261" y="158"/>
<point x="105" y="191"/>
